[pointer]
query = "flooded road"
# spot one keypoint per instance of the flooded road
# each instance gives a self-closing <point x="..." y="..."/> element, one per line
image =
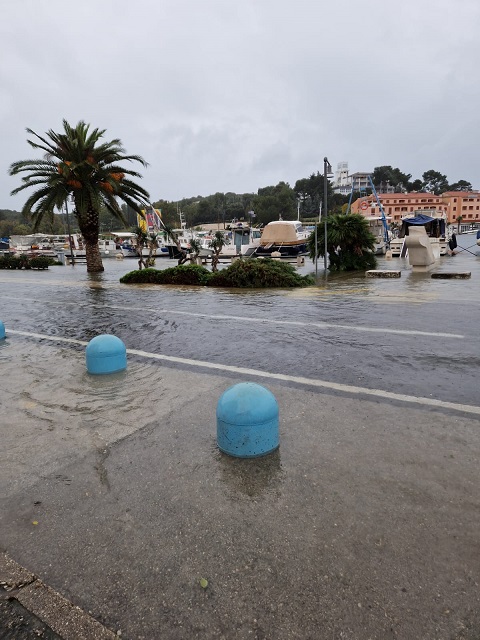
<point x="412" y="335"/>
<point x="363" y="525"/>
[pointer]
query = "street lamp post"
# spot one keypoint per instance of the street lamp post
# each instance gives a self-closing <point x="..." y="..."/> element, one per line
<point x="327" y="169"/>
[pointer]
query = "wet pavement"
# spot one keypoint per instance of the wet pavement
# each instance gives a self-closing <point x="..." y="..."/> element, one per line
<point x="363" y="525"/>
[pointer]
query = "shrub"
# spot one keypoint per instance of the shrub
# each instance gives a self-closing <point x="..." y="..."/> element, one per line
<point x="252" y="273"/>
<point x="258" y="273"/>
<point x="184" y="274"/>
<point x="23" y="262"/>
<point x="9" y="262"/>
<point x="40" y="262"/>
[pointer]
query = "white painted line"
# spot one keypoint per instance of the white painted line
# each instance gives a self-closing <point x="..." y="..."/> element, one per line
<point x="324" y="384"/>
<point x="294" y="323"/>
<point x="299" y="323"/>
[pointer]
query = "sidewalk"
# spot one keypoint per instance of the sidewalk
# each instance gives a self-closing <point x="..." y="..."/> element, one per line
<point x="363" y="525"/>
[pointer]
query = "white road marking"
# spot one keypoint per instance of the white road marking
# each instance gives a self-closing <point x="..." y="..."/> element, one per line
<point x="295" y="323"/>
<point x="324" y="384"/>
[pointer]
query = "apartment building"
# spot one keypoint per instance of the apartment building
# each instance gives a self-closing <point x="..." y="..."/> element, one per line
<point x="398" y="205"/>
<point x="343" y="180"/>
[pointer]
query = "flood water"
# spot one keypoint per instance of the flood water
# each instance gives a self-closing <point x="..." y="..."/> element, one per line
<point x="115" y="493"/>
<point x="411" y="335"/>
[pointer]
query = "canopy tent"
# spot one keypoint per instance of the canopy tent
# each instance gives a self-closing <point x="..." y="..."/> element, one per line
<point x="435" y="227"/>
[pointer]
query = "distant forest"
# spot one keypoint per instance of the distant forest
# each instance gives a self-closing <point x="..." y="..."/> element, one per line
<point x="268" y="204"/>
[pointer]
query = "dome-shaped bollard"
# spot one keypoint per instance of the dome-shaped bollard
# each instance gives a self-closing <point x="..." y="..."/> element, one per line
<point x="2" y="330"/>
<point x="247" y="421"/>
<point x="106" y="354"/>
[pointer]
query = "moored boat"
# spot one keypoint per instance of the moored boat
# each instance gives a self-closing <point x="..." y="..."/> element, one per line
<point x="240" y="240"/>
<point x="287" y="237"/>
<point x="435" y="223"/>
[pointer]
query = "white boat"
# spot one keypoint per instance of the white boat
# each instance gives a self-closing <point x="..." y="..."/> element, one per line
<point x="35" y="244"/>
<point x="127" y="248"/>
<point x="183" y="237"/>
<point x="286" y="237"/>
<point x="240" y="240"/>
<point x="435" y="223"/>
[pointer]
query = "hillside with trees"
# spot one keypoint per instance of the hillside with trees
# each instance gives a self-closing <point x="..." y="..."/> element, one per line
<point x="270" y="202"/>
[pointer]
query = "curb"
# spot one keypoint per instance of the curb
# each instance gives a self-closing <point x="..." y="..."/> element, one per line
<point x="64" y="618"/>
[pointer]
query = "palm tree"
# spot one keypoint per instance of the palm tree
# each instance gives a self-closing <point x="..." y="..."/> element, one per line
<point x="459" y="219"/>
<point x="140" y="240"/>
<point x="173" y="235"/>
<point x="77" y="165"/>
<point x="350" y="244"/>
<point x="216" y="243"/>
<point x="195" y="248"/>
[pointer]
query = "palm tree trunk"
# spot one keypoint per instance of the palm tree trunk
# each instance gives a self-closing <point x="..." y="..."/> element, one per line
<point x="94" y="259"/>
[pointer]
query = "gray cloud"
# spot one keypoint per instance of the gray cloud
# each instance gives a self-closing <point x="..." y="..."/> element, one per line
<point x="221" y="96"/>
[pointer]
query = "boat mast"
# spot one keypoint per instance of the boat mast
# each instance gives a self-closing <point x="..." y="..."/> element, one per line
<point x="382" y="211"/>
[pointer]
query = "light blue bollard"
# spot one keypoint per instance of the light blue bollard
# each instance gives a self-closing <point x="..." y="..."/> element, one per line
<point x="106" y="354"/>
<point x="247" y="421"/>
<point x="2" y="330"/>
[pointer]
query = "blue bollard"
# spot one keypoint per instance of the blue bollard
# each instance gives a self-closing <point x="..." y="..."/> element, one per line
<point x="247" y="421"/>
<point x="106" y="354"/>
<point x="2" y="330"/>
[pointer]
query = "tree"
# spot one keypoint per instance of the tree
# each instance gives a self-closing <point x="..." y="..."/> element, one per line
<point x="459" y="220"/>
<point x="350" y="243"/>
<point x="139" y="242"/>
<point x="216" y="243"/>
<point x="434" y="182"/>
<point x="461" y="185"/>
<point x="387" y="175"/>
<point x="273" y="202"/>
<point x="174" y="237"/>
<point x="416" y="185"/>
<point x="77" y="165"/>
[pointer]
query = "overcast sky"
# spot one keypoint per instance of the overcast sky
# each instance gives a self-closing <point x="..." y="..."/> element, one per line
<point x="224" y="95"/>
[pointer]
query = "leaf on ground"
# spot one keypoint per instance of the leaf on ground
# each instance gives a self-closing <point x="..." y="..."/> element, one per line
<point x="203" y="583"/>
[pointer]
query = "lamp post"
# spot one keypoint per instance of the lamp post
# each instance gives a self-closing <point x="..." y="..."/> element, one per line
<point x="327" y="169"/>
<point x="316" y="244"/>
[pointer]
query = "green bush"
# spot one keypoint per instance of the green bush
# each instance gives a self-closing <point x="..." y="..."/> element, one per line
<point x="40" y="262"/>
<point x="258" y="273"/>
<point x="248" y="273"/>
<point x="9" y="262"/>
<point x="184" y="274"/>
<point x="23" y="262"/>
<point x="349" y="261"/>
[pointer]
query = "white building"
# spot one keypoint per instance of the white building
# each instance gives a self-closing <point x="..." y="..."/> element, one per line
<point x="343" y="180"/>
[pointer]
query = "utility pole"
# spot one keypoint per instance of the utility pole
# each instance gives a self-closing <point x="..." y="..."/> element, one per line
<point x="327" y="169"/>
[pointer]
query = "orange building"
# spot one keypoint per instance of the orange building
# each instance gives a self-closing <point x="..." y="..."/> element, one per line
<point x="398" y="205"/>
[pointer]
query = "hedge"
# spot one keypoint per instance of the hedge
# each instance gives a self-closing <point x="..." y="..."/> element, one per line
<point x="245" y="273"/>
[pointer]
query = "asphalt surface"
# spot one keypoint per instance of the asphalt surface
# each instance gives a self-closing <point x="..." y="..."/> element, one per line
<point x="17" y="623"/>
<point x="364" y="524"/>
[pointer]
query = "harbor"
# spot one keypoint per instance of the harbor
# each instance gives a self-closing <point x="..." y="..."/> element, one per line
<point x="364" y="524"/>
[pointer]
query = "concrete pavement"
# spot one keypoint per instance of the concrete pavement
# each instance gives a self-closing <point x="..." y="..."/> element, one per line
<point x="363" y="525"/>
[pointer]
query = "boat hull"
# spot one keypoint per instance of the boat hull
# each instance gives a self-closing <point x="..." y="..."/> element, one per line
<point x="286" y="251"/>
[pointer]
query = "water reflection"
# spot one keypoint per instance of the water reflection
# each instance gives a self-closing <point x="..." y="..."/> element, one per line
<point x="4" y="354"/>
<point x="251" y="477"/>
